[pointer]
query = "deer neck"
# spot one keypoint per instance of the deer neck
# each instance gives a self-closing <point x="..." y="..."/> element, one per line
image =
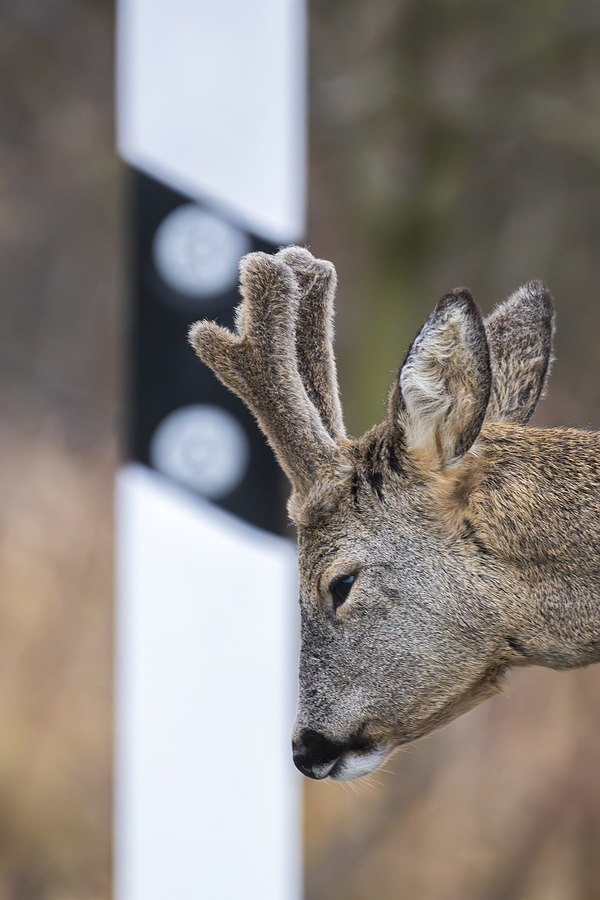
<point x="531" y="501"/>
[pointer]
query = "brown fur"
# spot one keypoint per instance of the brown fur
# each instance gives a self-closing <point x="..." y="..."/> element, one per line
<point x="473" y="541"/>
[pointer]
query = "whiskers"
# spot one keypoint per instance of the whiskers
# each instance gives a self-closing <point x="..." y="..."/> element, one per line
<point x="363" y="785"/>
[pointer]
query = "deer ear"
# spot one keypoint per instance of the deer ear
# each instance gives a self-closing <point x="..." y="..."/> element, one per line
<point x="520" y="333"/>
<point x="443" y="388"/>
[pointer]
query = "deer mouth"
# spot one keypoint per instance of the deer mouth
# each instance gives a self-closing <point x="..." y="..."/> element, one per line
<point x="357" y="763"/>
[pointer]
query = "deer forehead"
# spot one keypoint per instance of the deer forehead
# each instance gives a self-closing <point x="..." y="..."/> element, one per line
<point x="356" y="536"/>
<point x="350" y="486"/>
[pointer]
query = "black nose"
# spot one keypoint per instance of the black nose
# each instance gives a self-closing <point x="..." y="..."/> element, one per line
<point x="314" y="754"/>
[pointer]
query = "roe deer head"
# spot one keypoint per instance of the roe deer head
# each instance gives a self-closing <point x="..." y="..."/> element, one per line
<point x="447" y="544"/>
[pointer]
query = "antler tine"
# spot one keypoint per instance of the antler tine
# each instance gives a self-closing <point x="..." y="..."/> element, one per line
<point x="258" y="363"/>
<point x="317" y="281"/>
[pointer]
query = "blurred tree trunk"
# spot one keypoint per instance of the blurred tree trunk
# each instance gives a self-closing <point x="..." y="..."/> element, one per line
<point x="59" y="381"/>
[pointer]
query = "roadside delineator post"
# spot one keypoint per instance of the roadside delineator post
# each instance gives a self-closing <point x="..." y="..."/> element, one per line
<point x="211" y="122"/>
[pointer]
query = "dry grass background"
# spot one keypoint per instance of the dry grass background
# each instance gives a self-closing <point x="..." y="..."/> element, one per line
<point x="55" y="679"/>
<point x="453" y="141"/>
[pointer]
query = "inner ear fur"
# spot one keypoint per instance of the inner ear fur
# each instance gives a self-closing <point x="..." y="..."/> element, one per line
<point x="520" y="333"/>
<point x="443" y="388"/>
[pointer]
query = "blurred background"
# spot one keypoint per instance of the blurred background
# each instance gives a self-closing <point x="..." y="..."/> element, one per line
<point x="452" y="142"/>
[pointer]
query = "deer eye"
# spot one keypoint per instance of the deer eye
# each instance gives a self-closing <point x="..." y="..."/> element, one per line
<point x="340" y="588"/>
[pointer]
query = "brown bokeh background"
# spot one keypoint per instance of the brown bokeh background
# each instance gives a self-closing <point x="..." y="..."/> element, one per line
<point x="452" y="141"/>
<point x="61" y="312"/>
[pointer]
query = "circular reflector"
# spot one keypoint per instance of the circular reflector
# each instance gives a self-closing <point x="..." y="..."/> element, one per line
<point x="203" y="447"/>
<point x="197" y="253"/>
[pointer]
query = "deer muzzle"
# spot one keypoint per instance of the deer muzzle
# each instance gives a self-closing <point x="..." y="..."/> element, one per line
<point x="318" y="756"/>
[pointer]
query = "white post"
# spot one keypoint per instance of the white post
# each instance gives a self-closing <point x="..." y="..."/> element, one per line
<point x="211" y="113"/>
<point x="207" y="803"/>
<point x="211" y="100"/>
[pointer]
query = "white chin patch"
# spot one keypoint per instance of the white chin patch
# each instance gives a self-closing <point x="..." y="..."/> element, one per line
<point x="354" y="765"/>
